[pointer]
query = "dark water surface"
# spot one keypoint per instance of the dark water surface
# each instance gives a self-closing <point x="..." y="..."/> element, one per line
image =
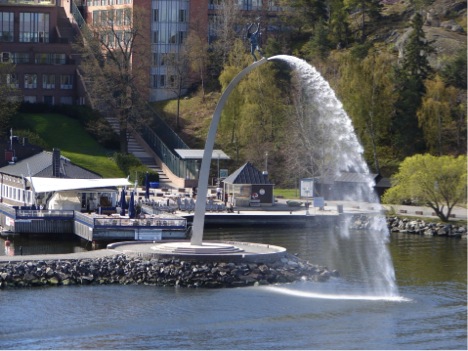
<point x="432" y="313"/>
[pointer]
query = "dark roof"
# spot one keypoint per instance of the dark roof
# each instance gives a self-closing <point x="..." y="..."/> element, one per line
<point x="247" y="174"/>
<point x="20" y="148"/>
<point x="40" y="165"/>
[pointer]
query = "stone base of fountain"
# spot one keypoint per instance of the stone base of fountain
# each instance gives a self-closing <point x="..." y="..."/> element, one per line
<point x="208" y="250"/>
<point x="204" y="249"/>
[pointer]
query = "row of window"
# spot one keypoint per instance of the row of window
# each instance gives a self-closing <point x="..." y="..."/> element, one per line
<point x="50" y="100"/>
<point x="33" y="27"/>
<point x="169" y="35"/>
<point x="107" y="2"/>
<point x="39" y="58"/>
<point x="165" y="14"/>
<point x="16" y="194"/>
<point x="112" y="17"/>
<point x="64" y="81"/>
<point x="164" y="81"/>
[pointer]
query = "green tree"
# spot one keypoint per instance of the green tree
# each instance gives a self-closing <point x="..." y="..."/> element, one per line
<point x="436" y="115"/>
<point x="10" y="96"/>
<point x="410" y="77"/>
<point x="369" y="9"/>
<point x="438" y="182"/>
<point x="318" y="45"/>
<point x="455" y="70"/>
<point x="367" y="90"/>
<point x="338" y="24"/>
<point x="303" y="14"/>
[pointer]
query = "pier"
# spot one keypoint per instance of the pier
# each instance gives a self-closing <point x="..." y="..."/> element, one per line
<point x="92" y="226"/>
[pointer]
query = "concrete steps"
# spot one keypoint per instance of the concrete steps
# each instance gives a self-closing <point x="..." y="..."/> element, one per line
<point x="139" y="152"/>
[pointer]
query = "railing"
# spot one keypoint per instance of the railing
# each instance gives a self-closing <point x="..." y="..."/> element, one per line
<point x="31" y="214"/>
<point x="112" y="222"/>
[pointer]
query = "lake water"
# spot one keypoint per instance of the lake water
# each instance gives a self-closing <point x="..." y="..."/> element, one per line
<point x="431" y="314"/>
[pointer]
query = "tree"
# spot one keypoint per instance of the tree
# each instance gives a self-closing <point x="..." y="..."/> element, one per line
<point x="338" y="24"/>
<point x="303" y="14"/>
<point x="115" y="81"/>
<point x="367" y="91"/>
<point x="10" y="96"/>
<point x="369" y="8"/>
<point x="438" y="182"/>
<point x="197" y="52"/>
<point x="435" y="115"/>
<point x="410" y="77"/>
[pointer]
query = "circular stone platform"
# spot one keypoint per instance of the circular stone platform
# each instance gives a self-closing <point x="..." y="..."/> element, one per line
<point x="208" y="250"/>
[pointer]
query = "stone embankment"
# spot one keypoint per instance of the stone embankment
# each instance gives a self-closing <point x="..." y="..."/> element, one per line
<point x="415" y="226"/>
<point x="122" y="269"/>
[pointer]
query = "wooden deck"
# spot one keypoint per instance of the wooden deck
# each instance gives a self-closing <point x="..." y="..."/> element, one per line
<point x="92" y="227"/>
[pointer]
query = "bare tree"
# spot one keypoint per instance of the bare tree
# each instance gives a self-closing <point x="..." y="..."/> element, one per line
<point x="116" y="81"/>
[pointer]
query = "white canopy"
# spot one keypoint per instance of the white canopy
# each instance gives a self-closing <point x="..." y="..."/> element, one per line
<point x="45" y="185"/>
<point x="197" y="154"/>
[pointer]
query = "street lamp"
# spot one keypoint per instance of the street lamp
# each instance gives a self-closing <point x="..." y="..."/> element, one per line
<point x="266" y="162"/>
<point x="218" y="182"/>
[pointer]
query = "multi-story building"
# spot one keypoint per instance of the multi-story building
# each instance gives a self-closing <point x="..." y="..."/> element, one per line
<point x="36" y="36"/>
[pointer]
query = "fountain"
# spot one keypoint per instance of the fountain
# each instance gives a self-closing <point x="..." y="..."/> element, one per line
<point x="342" y="147"/>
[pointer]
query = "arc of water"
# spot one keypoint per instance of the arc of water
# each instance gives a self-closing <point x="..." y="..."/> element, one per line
<point x="199" y="214"/>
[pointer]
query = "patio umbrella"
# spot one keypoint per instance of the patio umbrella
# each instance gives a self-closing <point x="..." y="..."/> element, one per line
<point x="122" y="202"/>
<point x="131" y="206"/>
<point x="147" y="186"/>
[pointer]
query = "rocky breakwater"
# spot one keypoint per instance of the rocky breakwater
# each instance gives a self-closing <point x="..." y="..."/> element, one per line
<point x="121" y="269"/>
<point x="414" y="226"/>
<point x="421" y="227"/>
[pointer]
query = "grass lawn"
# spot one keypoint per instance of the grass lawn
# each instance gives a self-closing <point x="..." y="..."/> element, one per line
<point x="67" y="134"/>
<point x="287" y="193"/>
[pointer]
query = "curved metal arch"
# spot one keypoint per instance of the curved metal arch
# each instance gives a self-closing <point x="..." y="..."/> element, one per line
<point x="199" y="214"/>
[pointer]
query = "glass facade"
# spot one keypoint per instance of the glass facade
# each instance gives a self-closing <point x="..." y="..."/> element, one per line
<point x="6" y="26"/>
<point x="169" y="28"/>
<point x="34" y="27"/>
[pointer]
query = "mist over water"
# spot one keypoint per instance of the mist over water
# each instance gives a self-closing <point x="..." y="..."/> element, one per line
<point x="341" y="151"/>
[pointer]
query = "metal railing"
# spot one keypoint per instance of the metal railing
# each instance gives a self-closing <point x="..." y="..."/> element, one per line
<point x="114" y="221"/>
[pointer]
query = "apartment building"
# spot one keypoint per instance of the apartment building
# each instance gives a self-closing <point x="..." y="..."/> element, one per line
<point x="36" y="36"/>
<point x="170" y="22"/>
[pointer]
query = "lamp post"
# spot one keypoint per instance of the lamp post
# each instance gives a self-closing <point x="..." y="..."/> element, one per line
<point x="266" y="162"/>
<point x="218" y="182"/>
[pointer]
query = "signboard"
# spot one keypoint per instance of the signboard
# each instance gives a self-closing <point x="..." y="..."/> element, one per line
<point x="223" y="173"/>
<point x="307" y="187"/>
<point x="148" y="234"/>
<point x="319" y="202"/>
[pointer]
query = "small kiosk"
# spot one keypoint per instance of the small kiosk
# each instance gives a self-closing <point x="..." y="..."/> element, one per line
<point x="247" y="186"/>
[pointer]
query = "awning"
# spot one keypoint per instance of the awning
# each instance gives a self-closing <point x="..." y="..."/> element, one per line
<point x="45" y="185"/>
<point x="197" y="154"/>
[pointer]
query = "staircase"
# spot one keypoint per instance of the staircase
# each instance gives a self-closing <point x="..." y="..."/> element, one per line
<point x="139" y="152"/>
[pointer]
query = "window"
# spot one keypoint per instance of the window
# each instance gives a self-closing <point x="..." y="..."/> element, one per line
<point x="182" y="36"/>
<point x="34" y="27"/>
<point x="6" y="26"/>
<point x="48" y="81"/>
<point x="21" y="57"/>
<point x="66" y="81"/>
<point x="31" y="99"/>
<point x="49" y="100"/>
<point x="155" y="37"/>
<point x="30" y="81"/>
<point x="12" y="80"/>
<point x="66" y="100"/>
<point x="183" y="16"/>
<point x="155" y="15"/>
